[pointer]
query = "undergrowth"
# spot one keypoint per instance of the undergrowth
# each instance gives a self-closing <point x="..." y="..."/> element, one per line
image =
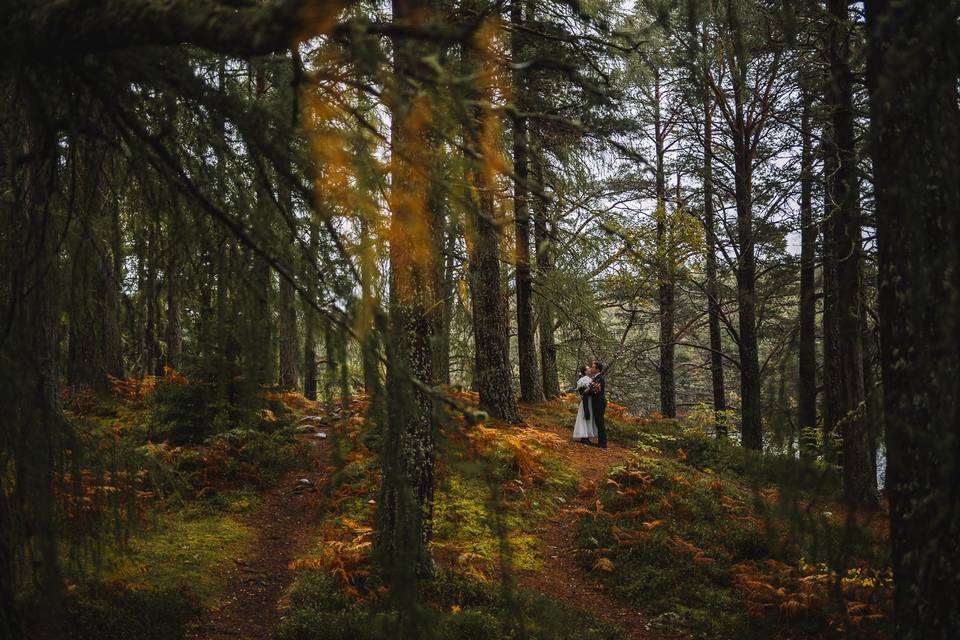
<point x="454" y="607"/>
<point x="482" y="470"/>
<point x="726" y="559"/>
<point x="161" y="475"/>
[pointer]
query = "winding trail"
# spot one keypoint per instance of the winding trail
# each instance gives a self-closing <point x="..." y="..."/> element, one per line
<point x="249" y="608"/>
<point x="562" y="577"/>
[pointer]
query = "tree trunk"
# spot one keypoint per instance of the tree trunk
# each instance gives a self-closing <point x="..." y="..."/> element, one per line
<point x="831" y="362"/>
<point x="860" y="484"/>
<point x="173" y="334"/>
<point x="490" y="326"/>
<point x="665" y="268"/>
<point x="530" y="388"/>
<point x="915" y="136"/>
<point x="441" y="360"/>
<point x="94" y="347"/>
<point x="713" y="288"/>
<point x="370" y="348"/>
<point x="153" y="363"/>
<point x="310" y="319"/>
<point x="32" y="421"/>
<point x="807" y="349"/>
<point x="751" y="430"/>
<point x="259" y="343"/>
<point x="289" y="336"/>
<point x="94" y="335"/>
<point x="543" y="244"/>
<point x="873" y="413"/>
<point x="405" y="508"/>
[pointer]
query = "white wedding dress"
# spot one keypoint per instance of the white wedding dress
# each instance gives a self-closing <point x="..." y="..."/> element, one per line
<point x="584" y="428"/>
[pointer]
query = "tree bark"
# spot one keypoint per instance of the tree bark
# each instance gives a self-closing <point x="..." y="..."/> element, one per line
<point x="405" y="507"/>
<point x="490" y="326"/>
<point x="289" y="336"/>
<point x="370" y="347"/>
<point x="94" y="348"/>
<point x="75" y="27"/>
<point x="530" y="388"/>
<point x="807" y="348"/>
<point x="915" y="141"/>
<point x="310" y="318"/>
<point x="94" y="334"/>
<point x="860" y="484"/>
<point x="173" y="333"/>
<point x="831" y="362"/>
<point x="153" y="362"/>
<point x="259" y="343"/>
<point x="751" y="430"/>
<point x="441" y="359"/>
<point x="543" y="245"/>
<point x="665" y="269"/>
<point x="713" y="288"/>
<point x="33" y="422"/>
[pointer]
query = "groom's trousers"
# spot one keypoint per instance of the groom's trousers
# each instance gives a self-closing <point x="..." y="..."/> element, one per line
<point x="599" y="409"/>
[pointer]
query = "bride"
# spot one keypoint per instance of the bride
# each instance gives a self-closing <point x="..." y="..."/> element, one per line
<point x="584" y="428"/>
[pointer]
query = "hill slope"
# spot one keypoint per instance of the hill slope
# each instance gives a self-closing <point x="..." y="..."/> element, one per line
<point x="267" y="532"/>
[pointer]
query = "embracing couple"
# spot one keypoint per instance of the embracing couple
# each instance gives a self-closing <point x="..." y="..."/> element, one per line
<point x="593" y="405"/>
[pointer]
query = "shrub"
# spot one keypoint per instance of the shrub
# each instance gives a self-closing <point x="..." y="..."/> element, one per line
<point x="119" y="613"/>
<point x="187" y="414"/>
<point x="469" y="625"/>
<point x="319" y="610"/>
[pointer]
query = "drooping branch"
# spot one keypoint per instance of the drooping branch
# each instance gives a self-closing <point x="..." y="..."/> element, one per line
<point x="68" y="28"/>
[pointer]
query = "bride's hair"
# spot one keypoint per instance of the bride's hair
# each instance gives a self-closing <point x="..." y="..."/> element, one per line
<point x="583" y="371"/>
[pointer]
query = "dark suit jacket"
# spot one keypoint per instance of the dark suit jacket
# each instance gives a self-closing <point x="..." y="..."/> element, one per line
<point x="599" y="398"/>
<point x="596" y="401"/>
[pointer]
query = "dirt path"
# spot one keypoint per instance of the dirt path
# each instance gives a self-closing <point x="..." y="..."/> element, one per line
<point x="562" y="577"/>
<point x="248" y="609"/>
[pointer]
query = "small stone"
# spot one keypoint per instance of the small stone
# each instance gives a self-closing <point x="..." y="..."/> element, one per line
<point x="320" y="434"/>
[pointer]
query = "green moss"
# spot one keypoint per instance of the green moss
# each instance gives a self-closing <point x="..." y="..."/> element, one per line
<point x="121" y="614"/>
<point x="676" y="536"/>
<point x="456" y="607"/>
<point x="462" y="523"/>
<point x="182" y="552"/>
<point x="677" y="543"/>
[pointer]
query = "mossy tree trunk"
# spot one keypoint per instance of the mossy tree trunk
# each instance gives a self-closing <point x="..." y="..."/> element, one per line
<point x="405" y="507"/>
<point x="915" y="141"/>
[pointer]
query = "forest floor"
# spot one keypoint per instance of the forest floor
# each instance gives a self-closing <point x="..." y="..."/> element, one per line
<point x="251" y="603"/>
<point x="666" y="534"/>
<point x="257" y="586"/>
<point x="562" y="577"/>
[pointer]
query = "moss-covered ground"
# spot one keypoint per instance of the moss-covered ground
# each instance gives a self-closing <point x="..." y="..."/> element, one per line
<point x="669" y="533"/>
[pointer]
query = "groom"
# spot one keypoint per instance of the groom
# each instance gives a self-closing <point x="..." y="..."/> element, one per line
<point x="598" y="402"/>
